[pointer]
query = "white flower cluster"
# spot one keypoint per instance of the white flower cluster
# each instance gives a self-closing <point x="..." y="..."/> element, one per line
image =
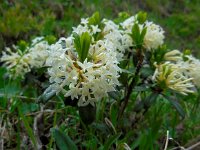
<point x="91" y="80"/>
<point x="85" y="27"/>
<point x="88" y="81"/>
<point x="193" y="69"/>
<point x="178" y="73"/>
<point x="169" y="75"/>
<point x="190" y="66"/>
<point x="19" y="63"/>
<point x="154" y="36"/>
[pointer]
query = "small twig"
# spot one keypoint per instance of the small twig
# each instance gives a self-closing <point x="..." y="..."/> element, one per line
<point x="38" y="112"/>
<point x="2" y="130"/>
<point x="36" y="130"/>
<point x="19" y="96"/>
<point x="193" y="146"/>
<point x="178" y="148"/>
<point x="109" y="123"/>
<point x="167" y="140"/>
<point x="47" y="111"/>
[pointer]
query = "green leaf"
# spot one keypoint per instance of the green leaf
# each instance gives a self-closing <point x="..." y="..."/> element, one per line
<point x="10" y="89"/>
<point x="122" y="16"/>
<point x="113" y="113"/>
<point x="47" y="95"/>
<point x="141" y="17"/>
<point x="110" y="141"/>
<point x="143" y="33"/>
<point x="136" y="34"/>
<point x="77" y="43"/>
<point x="95" y="19"/>
<point x="151" y="99"/>
<point x="63" y="141"/>
<point x="22" y="45"/>
<point x="146" y="72"/>
<point x="82" y="45"/>
<point x="50" y="39"/>
<point x="85" y="45"/>
<point x="176" y="105"/>
<point x="147" y="102"/>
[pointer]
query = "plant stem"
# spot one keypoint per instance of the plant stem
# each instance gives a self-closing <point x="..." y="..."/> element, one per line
<point x="140" y="57"/>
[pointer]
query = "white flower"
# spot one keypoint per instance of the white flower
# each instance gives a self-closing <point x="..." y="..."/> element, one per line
<point x="16" y="63"/>
<point x="174" y="55"/>
<point x="95" y="29"/>
<point x="190" y="66"/>
<point x="81" y="29"/>
<point x="19" y="63"/>
<point x="116" y="39"/>
<point x="171" y="76"/>
<point x="87" y="81"/>
<point x="109" y="26"/>
<point x="128" y="23"/>
<point x="154" y="36"/>
<point x="85" y="27"/>
<point x="38" y="54"/>
<point x="84" y="21"/>
<point x="193" y="69"/>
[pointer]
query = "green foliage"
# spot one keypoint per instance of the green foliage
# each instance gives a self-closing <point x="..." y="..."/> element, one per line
<point x="141" y="17"/>
<point x="95" y="19"/>
<point x="158" y="54"/>
<point x="121" y="17"/>
<point x="138" y="36"/>
<point x="50" y="39"/>
<point x="176" y="105"/>
<point x="63" y="141"/>
<point x="82" y="45"/>
<point x="22" y="45"/>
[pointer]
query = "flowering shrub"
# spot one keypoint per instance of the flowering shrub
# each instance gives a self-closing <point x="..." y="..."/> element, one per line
<point x="118" y="62"/>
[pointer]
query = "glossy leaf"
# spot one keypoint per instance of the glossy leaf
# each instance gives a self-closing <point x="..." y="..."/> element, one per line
<point x="63" y="141"/>
<point x="47" y="95"/>
<point x="176" y="105"/>
<point x="82" y="45"/>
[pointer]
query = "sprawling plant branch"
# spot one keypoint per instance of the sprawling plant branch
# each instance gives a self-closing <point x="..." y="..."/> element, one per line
<point x="140" y="57"/>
